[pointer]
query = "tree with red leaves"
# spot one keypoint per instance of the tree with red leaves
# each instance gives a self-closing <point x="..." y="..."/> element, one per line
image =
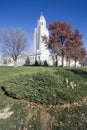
<point x="59" y="35"/>
<point x="64" y="42"/>
<point x="75" y="48"/>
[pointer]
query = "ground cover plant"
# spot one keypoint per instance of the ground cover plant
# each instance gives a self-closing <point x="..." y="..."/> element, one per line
<point x="46" y="87"/>
<point x="39" y="99"/>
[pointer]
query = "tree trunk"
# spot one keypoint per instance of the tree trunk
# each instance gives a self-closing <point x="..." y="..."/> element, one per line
<point x="75" y="62"/>
<point x="62" y="61"/>
<point x="15" y="63"/>
<point x="62" y="58"/>
<point x="66" y="63"/>
<point x="69" y="62"/>
<point x="56" y="61"/>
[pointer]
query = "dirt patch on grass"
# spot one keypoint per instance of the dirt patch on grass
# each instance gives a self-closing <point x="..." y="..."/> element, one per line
<point x="5" y="113"/>
<point x="57" y="107"/>
<point x="45" y="119"/>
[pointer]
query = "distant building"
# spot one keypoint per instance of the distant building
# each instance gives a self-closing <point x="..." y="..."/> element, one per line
<point x="41" y="54"/>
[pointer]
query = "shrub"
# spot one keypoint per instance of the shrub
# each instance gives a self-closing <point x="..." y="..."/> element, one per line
<point x="45" y="63"/>
<point x="36" y="63"/>
<point x="45" y="87"/>
<point x="27" y="62"/>
<point x="39" y="87"/>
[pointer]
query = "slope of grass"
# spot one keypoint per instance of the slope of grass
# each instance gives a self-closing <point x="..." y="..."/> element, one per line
<point x="46" y="87"/>
<point x="70" y="119"/>
<point x="32" y="116"/>
<point x="6" y="72"/>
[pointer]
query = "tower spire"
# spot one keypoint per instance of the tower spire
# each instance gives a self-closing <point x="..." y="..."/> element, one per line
<point x="41" y="13"/>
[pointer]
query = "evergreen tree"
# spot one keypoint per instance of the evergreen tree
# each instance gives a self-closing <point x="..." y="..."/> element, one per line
<point x="27" y="62"/>
<point x="36" y="63"/>
<point x="45" y="63"/>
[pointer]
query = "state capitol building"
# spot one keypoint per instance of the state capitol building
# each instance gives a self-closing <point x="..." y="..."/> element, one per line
<point x="40" y="52"/>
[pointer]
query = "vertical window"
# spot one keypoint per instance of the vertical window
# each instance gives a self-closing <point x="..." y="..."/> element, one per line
<point x="33" y="58"/>
<point x="38" y="57"/>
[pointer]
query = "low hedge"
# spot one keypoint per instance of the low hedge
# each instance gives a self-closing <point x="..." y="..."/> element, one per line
<point x="44" y="87"/>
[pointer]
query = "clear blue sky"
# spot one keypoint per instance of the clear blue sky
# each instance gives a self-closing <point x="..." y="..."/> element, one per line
<point x="25" y="13"/>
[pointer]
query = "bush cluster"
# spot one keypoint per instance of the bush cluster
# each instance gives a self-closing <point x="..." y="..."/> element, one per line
<point x="45" y="87"/>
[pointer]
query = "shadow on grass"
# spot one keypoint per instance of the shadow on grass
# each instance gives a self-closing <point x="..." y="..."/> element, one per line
<point x="7" y="94"/>
<point x="79" y="72"/>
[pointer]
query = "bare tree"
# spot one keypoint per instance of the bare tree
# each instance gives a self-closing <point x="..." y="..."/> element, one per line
<point x="14" y="42"/>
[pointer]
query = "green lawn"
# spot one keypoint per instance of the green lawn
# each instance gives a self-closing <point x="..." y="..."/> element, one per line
<point x="40" y="101"/>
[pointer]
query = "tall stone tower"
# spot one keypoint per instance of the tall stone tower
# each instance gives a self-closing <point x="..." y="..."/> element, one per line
<point x="40" y="49"/>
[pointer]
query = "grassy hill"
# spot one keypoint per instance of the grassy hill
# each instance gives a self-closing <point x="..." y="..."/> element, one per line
<point x="38" y="98"/>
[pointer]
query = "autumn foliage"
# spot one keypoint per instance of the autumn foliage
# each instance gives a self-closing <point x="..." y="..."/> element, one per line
<point x="64" y="42"/>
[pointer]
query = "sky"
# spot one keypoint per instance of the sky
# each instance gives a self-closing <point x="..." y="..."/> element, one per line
<point x="25" y="13"/>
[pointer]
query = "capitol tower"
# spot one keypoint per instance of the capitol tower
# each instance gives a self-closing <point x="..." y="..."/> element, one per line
<point x="40" y="50"/>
